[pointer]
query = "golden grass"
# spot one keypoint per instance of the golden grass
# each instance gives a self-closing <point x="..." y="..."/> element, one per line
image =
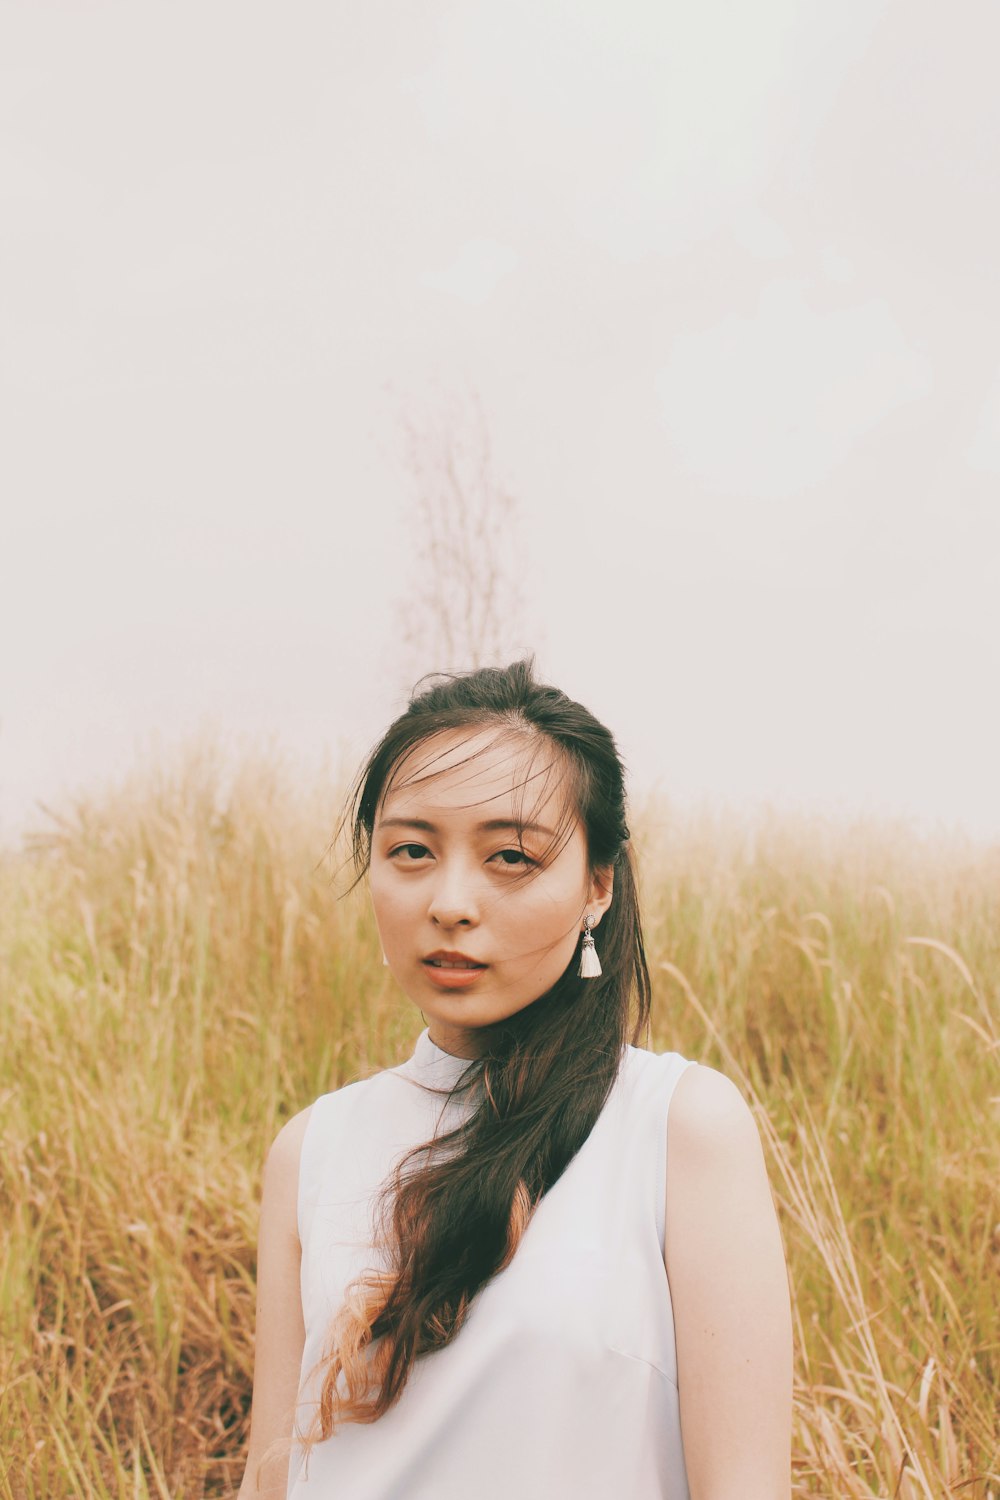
<point x="178" y="978"/>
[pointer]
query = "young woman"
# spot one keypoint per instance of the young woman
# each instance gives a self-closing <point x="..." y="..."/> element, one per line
<point x="492" y="1271"/>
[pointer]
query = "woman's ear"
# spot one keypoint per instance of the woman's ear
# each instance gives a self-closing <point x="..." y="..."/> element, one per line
<point x="602" y="881"/>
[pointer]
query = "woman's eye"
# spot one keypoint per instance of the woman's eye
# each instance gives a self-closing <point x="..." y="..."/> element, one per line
<point x="519" y="857"/>
<point x="420" y="848"/>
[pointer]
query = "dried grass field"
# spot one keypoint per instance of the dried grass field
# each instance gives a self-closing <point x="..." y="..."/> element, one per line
<point x="177" y="977"/>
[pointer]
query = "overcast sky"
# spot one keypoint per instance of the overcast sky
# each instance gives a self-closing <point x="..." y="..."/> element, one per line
<point x="724" y="277"/>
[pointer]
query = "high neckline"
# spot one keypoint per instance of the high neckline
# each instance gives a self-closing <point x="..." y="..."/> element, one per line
<point x="430" y="1061"/>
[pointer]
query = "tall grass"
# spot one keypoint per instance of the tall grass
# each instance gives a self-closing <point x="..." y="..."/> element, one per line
<point x="177" y="977"/>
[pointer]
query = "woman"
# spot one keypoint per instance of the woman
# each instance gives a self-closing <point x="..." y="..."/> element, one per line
<point x="491" y="1271"/>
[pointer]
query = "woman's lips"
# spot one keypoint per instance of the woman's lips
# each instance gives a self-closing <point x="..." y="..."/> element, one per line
<point x="450" y="977"/>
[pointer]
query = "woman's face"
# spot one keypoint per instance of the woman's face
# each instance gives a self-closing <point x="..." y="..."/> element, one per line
<point x="446" y="879"/>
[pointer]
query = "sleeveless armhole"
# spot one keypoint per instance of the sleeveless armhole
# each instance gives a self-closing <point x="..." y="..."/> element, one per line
<point x="674" y="1066"/>
<point x="310" y="1166"/>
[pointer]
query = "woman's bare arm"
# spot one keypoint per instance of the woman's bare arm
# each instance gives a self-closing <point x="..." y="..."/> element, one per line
<point x="280" y="1332"/>
<point x="729" y="1289"/>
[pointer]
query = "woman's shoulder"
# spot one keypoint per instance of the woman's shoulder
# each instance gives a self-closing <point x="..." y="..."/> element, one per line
<point x="286" y="1147"/>
<point x="703" y="1101"/>
<point x="647" y="1070"/>
<point x="712" y="1122"/>
<point x="369" y="1103"/>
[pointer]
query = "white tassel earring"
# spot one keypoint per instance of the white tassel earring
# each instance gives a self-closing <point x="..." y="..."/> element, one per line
<point x="590" y="964"/>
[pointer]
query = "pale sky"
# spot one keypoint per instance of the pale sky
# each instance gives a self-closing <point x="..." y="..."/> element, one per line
<point x="725" y="278"/>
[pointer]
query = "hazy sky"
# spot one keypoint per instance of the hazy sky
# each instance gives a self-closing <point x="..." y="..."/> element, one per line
<point x="724" y="276"/>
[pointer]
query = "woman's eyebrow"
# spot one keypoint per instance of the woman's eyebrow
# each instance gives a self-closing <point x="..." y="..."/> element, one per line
<point x="489" y="826"/>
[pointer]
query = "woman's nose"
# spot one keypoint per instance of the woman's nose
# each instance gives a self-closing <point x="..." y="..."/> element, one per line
<point x="452" y="900"/>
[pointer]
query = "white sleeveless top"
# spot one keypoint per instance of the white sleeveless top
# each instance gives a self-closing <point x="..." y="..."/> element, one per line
<point x="563" y="1379"/>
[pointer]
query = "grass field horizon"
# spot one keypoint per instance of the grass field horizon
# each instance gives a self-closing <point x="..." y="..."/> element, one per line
<point x="178" y="977"/>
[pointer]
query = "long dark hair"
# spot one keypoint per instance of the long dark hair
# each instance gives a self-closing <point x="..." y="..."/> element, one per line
<point x="450" y="1222"/>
